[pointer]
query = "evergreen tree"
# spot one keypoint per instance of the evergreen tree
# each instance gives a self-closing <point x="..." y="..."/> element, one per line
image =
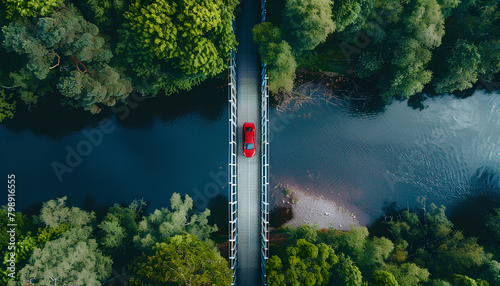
<point x="66" y="51"/>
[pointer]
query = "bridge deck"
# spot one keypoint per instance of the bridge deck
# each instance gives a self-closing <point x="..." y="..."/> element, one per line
<point x="248" y="86"/>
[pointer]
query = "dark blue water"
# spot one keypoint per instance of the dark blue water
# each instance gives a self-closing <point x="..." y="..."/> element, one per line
<point x="366" y="157"/>
<point x="165" y="145"/>
<point x="350" y="151"/>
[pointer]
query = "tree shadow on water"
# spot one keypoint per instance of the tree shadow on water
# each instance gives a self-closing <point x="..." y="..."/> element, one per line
<point x="50" y="118"/>
<point x="470" y="213"/>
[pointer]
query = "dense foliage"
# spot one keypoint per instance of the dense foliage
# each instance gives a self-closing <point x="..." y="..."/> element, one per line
<point x="96" y="59"/>
<point x="404" y="46"/>
<point x="415" y="250"/>
<point x="177" y="43"/>
<point x="182" y="260"/>
<point x="66" y="52"/>
<point x="72" y="245"/>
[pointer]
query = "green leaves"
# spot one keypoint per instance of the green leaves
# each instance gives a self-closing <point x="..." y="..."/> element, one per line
<point x="307" y="22"/>
<point x="7" y="106"/>
<point x="277" y="54"/>
<point x="18" y="9"/>
<point x="182" y="260"/>
<point x="167" y="222"/>
<point x="74" y="258"/>
<point x="179" y="44"/>
<point x="383" y="278"/>
<point x="462" y="68"/>
<point x="55" y="212"/>
<point x="306" y="264"/>
<point x="66" y="52"/>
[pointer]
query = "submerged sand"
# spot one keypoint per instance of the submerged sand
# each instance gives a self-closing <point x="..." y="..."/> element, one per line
<point x="312" y="209"/>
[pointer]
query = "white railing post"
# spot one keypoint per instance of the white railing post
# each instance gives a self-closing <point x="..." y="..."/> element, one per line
<point x="233" y="168"/>
<point x="264" y="204"/>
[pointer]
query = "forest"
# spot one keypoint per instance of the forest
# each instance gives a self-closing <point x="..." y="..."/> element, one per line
<point x="93" y="54"/>
<point x="406" y="248"/>
<point x="403" y="46"/>
<point x="123" y="242"/>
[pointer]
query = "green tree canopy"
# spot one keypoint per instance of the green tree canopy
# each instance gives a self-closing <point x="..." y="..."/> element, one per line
<point x="306" y="263"/>
<point x="119" y="226"/>
<point x="74" y="259"/>
<point x="493" y="222"/>
<point x="178" y="44"/>
<point x="182" y="260"/>
<point x="167" y="222"/>
<point x="351" y="13"/>
<point x="277" y="55"/>
<point x="66" y="51"/>
<point x="307" y="22"/>
<point x="346" y="272"/>
<point x="7" y="106"/>
<point x="55" y="213"/>
<point x="17" y="9"/>
<point x="383" y="278"/>
<point x="403" y="50"/>
<point x="462" y="68"/>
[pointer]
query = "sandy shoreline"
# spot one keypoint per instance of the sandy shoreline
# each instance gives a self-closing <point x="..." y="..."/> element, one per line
<point x="311" y="209"/>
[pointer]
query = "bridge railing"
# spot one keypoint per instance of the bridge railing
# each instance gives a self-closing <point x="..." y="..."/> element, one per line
<point x="264" y="193"/>
<point x="232" y="174"/>
<point x="264" y="204"/>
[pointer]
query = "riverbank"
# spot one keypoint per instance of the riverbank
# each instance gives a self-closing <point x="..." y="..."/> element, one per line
<point x="315" y="209"/>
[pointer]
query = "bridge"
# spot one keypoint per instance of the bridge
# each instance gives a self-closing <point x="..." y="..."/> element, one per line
<point x="248" y="177"/>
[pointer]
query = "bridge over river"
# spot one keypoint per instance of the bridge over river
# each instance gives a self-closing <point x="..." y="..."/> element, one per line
<point x="248" y="177"/>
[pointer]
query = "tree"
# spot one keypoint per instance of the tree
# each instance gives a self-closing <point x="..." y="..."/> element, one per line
<point x="277" y="55"/>
<point x="462" y="280"/>
<point x="493" y="222"/>
<point x="179" y="44"/>
<point x="73" y="259"/>
<point x="383" y="278"/>
<point x="7" y="106"/>
<point x="104" y="13"/>
<point x="369" y="63"/>
<point x="462" y="68"/>
<point x="182" y="260"/>
<point x="350" y="13"/>
<point x="409" y="274"/>
<point x="403" y="51"/>
<point x="55" y="213"/>
<point x="346" y="272"/>
<point x="17" y="9"/>
<point x="274" y="269"/>
<point x="307" y="23"/>
<point x="308" y="263"/>
<point x="492" y="274"/>
<point x="164" y="223"/>
<point x="118" y="227"/>
<point x="66" y="51"/>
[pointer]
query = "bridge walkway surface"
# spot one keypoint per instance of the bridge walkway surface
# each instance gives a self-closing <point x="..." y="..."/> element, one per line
<point x="248" y="72"/>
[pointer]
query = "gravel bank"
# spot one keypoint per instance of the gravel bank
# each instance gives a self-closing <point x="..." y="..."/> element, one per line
<point x="310" y="209"/>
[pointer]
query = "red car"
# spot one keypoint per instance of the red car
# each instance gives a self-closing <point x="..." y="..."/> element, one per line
<point x="249" y="138"/>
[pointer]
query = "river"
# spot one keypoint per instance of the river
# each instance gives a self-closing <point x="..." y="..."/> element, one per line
<point x="362" y="156"/>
